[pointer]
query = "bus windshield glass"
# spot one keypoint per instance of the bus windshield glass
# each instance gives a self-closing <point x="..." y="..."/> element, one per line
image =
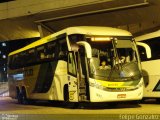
<point x="113" y="58"/>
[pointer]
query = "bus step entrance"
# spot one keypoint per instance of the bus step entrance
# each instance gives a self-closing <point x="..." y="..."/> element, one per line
<point x="82" y="98"/>
<point x="82" y="93"/>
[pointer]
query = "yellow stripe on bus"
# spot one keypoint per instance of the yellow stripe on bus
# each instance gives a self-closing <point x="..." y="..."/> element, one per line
<point x="112" y="84"/>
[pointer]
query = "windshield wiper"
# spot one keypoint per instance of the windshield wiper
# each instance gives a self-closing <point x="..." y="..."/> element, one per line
<point x="117" y="64"/>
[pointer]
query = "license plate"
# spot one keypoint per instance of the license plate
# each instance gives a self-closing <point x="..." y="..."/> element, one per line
<point x="121" y="96"/>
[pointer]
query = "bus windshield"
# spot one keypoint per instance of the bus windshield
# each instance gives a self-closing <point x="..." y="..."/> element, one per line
<point x="113" y="60"/>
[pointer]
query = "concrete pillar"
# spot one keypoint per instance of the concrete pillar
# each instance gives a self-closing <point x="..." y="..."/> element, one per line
<point x="44" y="30"/>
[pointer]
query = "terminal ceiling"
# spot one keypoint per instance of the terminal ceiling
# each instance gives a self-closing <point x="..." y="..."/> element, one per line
<point x="137" y="16"/>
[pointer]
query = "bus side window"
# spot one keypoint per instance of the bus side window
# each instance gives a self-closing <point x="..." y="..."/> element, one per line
<point x="50" y="50"/>
<point x="40" y="53"/>
<point x="30" y="56"/>
<point x="63" y="49"/>
<point x="12" y="62"/>
<point x="23" y="57"/>
<point x="71" y="64"/>
<point x="16" y="61"/>
<point x="142" y="53"/>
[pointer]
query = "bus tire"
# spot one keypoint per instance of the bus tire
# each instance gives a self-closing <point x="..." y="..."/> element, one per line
<point x="158" y="100"/>
<point x="137" y="102"/>
<point x="143" y="100"/>
<point x="66" y="94"/>
<point x="19" y="97"/>
<point x="25" y="101"/>
<point x="112" y="104"/>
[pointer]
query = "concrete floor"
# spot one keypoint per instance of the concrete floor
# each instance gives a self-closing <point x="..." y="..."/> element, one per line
<point x="57" y="110"/>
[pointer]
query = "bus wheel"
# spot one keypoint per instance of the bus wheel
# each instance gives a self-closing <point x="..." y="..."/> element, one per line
<point x="19" y="97"/>
<point x="136" y="102"/>
<point x="112" y="104"/>
<point x="143" y="100"/>
<point x="66" y="94"/>
<point x="158" y="100"/>
<point x="25" y="101"/>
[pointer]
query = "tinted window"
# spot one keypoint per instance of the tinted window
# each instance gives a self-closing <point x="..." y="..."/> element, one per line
<point x="55" y="50"/>
<point x="154" y="44"/>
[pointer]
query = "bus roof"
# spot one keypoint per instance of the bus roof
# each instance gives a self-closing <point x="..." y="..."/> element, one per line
<point x="88" y="30"/>
<point x="95" y="30"/>
<point x="148" y="36"/>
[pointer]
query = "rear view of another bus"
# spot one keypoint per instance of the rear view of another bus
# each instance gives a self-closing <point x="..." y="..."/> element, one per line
<point x="150" y="66"/>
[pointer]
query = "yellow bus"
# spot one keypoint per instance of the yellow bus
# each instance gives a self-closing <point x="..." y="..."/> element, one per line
<point x="77" y="64"/>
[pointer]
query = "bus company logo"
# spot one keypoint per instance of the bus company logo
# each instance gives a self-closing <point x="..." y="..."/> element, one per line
<point x="121" y="96"/>
<point x="113" y="84"/>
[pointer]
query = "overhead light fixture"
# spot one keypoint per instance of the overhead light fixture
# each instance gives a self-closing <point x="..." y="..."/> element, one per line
<point x="101" y="39"/>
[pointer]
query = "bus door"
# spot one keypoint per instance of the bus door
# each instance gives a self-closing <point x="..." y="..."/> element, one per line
<point x="72" y="77"/>
<point x="83" y="77"/>
<point x="77" y="76"/>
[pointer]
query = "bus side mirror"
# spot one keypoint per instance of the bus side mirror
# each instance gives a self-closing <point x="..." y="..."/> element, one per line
<point x="146" y="47"/>
<point x="87" y="48"/>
